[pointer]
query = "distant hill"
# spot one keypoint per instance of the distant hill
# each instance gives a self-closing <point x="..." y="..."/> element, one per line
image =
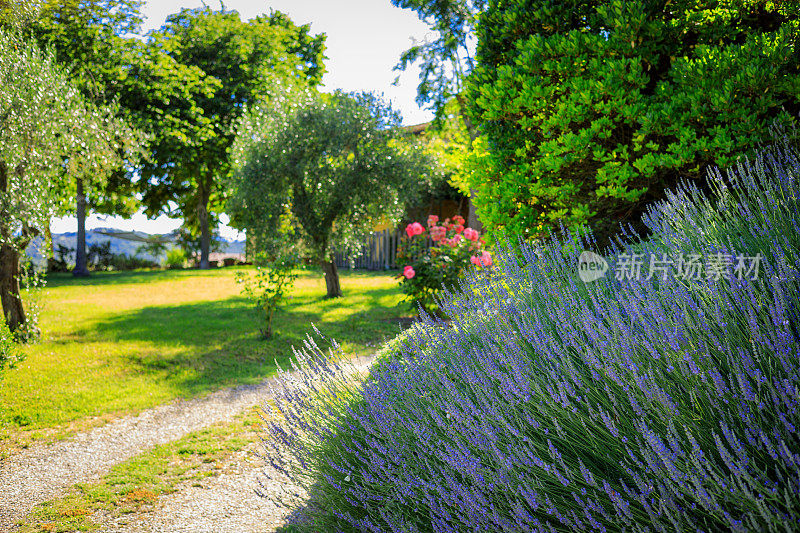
<point x="118" y="245"/>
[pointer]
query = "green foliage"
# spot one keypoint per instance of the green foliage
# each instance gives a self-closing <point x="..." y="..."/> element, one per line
<point x="87" y="38"/>
<point x="47" y="130"/>
<point x="591" y="110"/>
<point x="10" y="352"/>
<point x="267" y="287"/>
<point x="154" y="247"/>
<point x="446" y="59"/>
<point x="176" y="258"/>
<point x="130" y="262"/>
<point x="60" y="262"/>
<point x="100" y="257"/>
<point x="447" y="142"/>
<point x="32" y="281"/>
<point x="189" y="240"/>
<point x="337" y="164"/>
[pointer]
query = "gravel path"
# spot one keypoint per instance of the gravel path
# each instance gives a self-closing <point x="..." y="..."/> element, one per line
<point x="42" y="472"/>
<point x="224" y="503"/>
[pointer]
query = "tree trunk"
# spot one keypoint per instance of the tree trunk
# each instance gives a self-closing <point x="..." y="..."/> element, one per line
<point x="205" y="233"/>
<point x="472" y="218"/>
<point x="10" y="300"/>
<point x="81" y="269"/>
<point x="332" y="278"/>
<point x="10" y="297"/>
<point x="48" y="239"/>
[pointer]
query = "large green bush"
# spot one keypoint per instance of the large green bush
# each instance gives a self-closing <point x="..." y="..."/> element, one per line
<point x="591" y="110"/>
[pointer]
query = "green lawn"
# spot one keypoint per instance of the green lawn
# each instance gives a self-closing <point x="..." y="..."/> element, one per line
<point x="120" y="342"/>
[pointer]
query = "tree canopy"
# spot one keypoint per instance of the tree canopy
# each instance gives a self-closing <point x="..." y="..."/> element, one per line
<point x="230" y="64"/>
<point x="591" y="110"/>
<point x="47" y="131"/>
<point x="447" y="58"/>
<point x="445" y="61"/>
<point x="336" y="165"/>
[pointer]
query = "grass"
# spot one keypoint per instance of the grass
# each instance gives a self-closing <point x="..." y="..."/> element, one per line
<point x="134" y="485"/>
<point x="119" y="342"/>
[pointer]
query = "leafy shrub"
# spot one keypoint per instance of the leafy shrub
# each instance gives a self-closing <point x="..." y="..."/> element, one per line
<point x="557" y="405"/>
<point x="429" y="269"/>
<point x="130" y="262"/>
<point x="100" y="256"/>
<point x="592" y="110"/>
<point x="267" y="286"/>
<point x="154" y="249"/>
<point x="176" y="258"/>
<point x="60" y="262"/>
<point x="10" y="353"/>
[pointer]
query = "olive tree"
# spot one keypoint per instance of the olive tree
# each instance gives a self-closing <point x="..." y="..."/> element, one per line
<point x="335" y="165"/>
<point x="48" y="132"/>
<point x="88" y="37"/>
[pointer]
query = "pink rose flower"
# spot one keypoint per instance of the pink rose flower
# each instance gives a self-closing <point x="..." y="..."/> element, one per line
<point x="414" y="229"/>
<point x="437" y="233"/>
<point x="484" y="260"/>
<point x="408" y="272"/>
<point x="459" y="220"/>
<point x="432" y="220"/>
<point x="471" y="234"/>
<point x="459" y="228"/>
<point x="456" y="239"/>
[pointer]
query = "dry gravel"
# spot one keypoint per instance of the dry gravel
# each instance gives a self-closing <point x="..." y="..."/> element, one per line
<point x="228" y="503"/>
<point x="225" y="503"/>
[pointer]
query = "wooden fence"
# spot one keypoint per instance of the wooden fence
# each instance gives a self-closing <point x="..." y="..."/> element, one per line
<point x="379" y="252"/>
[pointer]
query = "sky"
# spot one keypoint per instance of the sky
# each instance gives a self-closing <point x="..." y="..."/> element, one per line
<point x="364" y="41"/>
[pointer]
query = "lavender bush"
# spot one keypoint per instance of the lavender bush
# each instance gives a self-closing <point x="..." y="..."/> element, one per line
<point x="550" y="404"/>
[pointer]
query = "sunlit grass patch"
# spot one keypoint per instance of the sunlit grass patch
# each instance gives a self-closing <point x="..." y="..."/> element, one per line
<point x="116" y="343"/>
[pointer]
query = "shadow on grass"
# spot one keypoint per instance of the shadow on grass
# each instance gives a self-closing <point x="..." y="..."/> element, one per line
<point x="205" y="345"/>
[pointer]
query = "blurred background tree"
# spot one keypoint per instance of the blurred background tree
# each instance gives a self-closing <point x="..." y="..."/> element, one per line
<point x="233" y="63"/>
<point x="445" y="59"/>
<point x="91" y="40"/>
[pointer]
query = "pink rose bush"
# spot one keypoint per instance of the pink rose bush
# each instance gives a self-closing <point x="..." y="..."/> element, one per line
<point x="426" y="269"/>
